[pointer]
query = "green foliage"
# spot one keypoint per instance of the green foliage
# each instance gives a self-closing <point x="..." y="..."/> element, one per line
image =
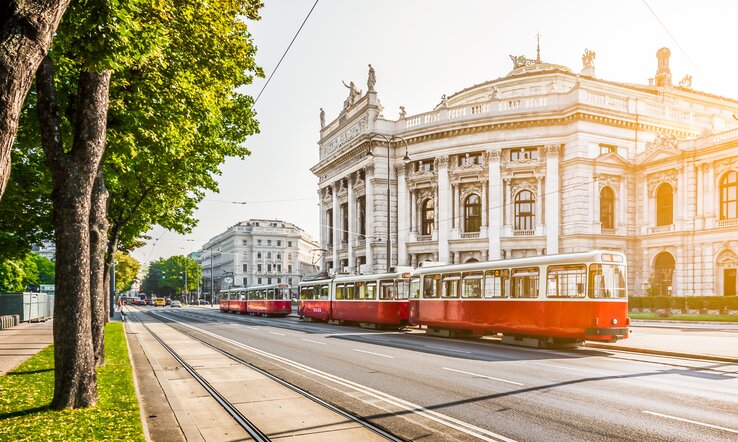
<point x="175" y="118"/>
<point x="166" y="277"/>
<point x="28" y="389"/>
<point x="683" y="317"/>
<point x="126" y="271"/>
<point x="17" y="274"/>
<point x="695" y="302"/>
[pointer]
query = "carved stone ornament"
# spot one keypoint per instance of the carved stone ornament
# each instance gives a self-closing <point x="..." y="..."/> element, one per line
<point x="663" y="140"/>
<point x="667" y="176"/>
<point x="441" y="161"/>
<point x="423" y="194"/>
<point x="552" y="150"/>
<point x="495" y="154"/>
<point x="347" y="135"/>
<point x="727" y="258"/>
<point x="725" y="165"/>
<point x="611" y="181"/>
<point x="369" y="170"/>
<point x="400" y="169"/>
<point x="523" y="184"/>
<point x="468" y="189"/>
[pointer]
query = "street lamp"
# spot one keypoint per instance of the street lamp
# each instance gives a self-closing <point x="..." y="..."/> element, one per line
<point x="406" y="158"/>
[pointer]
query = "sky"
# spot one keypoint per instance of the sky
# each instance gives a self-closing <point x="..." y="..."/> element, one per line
<point x="422" y="49"/>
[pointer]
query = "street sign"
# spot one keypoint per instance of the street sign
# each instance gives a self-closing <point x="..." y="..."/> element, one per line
<point x="228" y="280"/>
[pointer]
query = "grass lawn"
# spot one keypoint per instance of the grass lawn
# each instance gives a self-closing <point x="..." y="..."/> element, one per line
<point x="26" y="392"/>
<point x="683" y="317"/>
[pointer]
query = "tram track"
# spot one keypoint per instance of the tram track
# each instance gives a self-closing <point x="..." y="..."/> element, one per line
<point x="242" y="421"/>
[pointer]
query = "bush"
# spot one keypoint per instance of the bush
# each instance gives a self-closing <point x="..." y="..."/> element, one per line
<point x="678" y="303"/>
<point x="695" y="302"/>
<point x="661" y="302"/>
<point x="635" y="302"/>
<point x="731" y="302"/>
<point x="715" y="302"/>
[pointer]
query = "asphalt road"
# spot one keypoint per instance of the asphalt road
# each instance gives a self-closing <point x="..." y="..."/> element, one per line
<point x="427" y="388"/>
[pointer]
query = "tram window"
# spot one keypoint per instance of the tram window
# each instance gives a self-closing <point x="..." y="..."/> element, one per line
<point x="471" y="286"/>
<point x="270" y="294"/>
<point x="348" y="292"/>
<point x="402" y="287"/>
<point x="451" y="285"/>
<point x="566" y="281"/>
<point x="415" y="288"/>
<point x="339" y="291"/>
<point x="387" y="290"/>
<point x="371" y="290"/>
<point x="607" y="281"/>
<point x="360" y="290"/>
<point x="306" y="293"/>
<point x="495" y="283"/>
<point x="324" y="292"/>
<point x="525" y="282"/>
<point x="432" y="286"/>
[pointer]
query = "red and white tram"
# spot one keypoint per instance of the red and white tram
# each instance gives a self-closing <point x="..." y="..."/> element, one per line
<point x="550" y="299"/>
<point x="379" y="299"/>
<point x="233" y="300"/>
<point x="269" y="300"/>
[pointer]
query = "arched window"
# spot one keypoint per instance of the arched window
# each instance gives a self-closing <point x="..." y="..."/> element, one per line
<point x="472" y="213"/>
<point x="428" y="217"/>
<point x="524" y="205"/>
<point x="664" y="205"/>
<point x="607" y="208"/>
<point x="728" y="199"/>
<point x="663" y="269"/>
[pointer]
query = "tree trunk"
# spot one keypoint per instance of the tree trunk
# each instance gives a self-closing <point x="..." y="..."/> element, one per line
<point x="98" y="243"/>
<point x="26" y="28"/>
<point x="73" y="175"/>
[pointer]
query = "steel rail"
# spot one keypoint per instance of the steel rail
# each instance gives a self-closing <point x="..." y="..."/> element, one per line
<point x="246" y="424"/>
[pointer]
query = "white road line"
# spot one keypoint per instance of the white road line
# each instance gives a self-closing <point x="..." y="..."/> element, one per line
<point x="446" y="349"/>
<point x="275" y="333"/>
<point x="249" y="326"/>
<point x="451" y="422"/>
<point x="482" y="376"/>
<point x="372" y="353"/>
<point x="690" y="421"/>
<point x="314" y="342"/>
<point x="565" y="368"/>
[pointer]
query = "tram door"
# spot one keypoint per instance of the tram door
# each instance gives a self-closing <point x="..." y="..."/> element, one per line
<point x="729" y="280"/>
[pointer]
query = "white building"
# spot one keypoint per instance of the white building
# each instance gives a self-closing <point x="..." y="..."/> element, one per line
<point x="540" y="161"/>
<point x="257" y="251"/>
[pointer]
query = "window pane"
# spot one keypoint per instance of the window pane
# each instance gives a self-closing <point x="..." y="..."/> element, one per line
<point x="566" y="281"/>
<point x="525" y="282"/>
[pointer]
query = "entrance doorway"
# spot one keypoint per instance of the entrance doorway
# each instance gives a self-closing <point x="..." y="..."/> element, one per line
<point x="729" y="282"/>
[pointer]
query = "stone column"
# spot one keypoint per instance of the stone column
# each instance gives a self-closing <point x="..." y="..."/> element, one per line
<point x="402" y="215"/>
<point x="323" y="234"/>
<point x="495" y="204"/>
<point x="413" y="214"/>
<point x="552" y="198"/>
<point x="336" y="228"/>
<point x="485" y="206"/>
<point x="596" y="226"/>
<point x="710" y="200"/>
<point x="622" y="220"/>
<point x="646" y="211"/>
<point x="699" y="189"/>
<point x="351" y="222"/>
<point x="508" y="204"/>
<point x="456" y="209"/>
<point x="444" y="208"/>
<point x="369" y="183"/>
<point x="539" y="205"/>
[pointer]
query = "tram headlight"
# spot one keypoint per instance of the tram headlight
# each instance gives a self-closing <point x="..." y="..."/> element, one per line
<point x="614" y="321"/>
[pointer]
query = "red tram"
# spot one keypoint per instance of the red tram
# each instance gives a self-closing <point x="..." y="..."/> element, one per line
<point x="379" y="299"/>
<point x="548" y="299"/>
<point x="265" y="300"/>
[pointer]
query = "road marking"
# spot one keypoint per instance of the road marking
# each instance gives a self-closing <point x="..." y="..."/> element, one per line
<point x="413" y="408"/>
<point x="314" y="342"/>
<point x="482" y="376"/>
<point x="372" y="353"/>
<point x="275" y="333"/>
<point x="565" y="368"/>
<point x="690" y="421"/>
<point x="446" y="349"/>
<point x="248" y="326"/>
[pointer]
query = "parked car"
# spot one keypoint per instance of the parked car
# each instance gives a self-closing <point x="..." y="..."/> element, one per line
<point x="176" y="303"/>
<point x="160" y="302"/>
<point x="169" y="300"/>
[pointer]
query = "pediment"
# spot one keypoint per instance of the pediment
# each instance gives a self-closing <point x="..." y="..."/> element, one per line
<point x="612" y="158"/>
<point x="659" y="153"/>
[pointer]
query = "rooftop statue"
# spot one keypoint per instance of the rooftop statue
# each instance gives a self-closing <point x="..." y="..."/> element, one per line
<point x="322" y="118"/>
<point x="372" y="79"/>
<point x="686" y="82"/>
<point x="354" y="94"/>
<point x="403" y="114"/>
<point x="588" y="58"/>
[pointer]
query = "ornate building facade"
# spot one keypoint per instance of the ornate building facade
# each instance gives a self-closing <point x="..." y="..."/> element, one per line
<point x="256" y="252"/>
<point x="540" y="161"/>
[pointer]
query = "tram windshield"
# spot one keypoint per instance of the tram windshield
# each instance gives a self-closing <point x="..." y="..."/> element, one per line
<point x="607" y="281"/>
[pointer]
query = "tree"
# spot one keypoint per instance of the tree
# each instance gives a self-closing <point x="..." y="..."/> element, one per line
<point x="26" y="29"/>
<point x="166" y="277"/>
<point x="11" y="276"/>
<point x="126" y="271"/>
<point x="18" y="274"/>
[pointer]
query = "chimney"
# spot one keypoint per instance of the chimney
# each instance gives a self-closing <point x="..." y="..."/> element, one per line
<point x="663" y="73"/>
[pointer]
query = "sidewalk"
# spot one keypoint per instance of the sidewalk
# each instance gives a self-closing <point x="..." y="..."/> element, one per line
<point x="17" y="344"/>
<point x="718" y="343"/>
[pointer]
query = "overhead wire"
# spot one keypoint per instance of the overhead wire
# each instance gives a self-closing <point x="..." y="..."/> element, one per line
<point x="285" y="51"/>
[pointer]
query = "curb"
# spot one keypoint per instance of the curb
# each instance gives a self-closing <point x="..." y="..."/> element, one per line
<point x="141" y="410"/>
<point x="663" y="353"/>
